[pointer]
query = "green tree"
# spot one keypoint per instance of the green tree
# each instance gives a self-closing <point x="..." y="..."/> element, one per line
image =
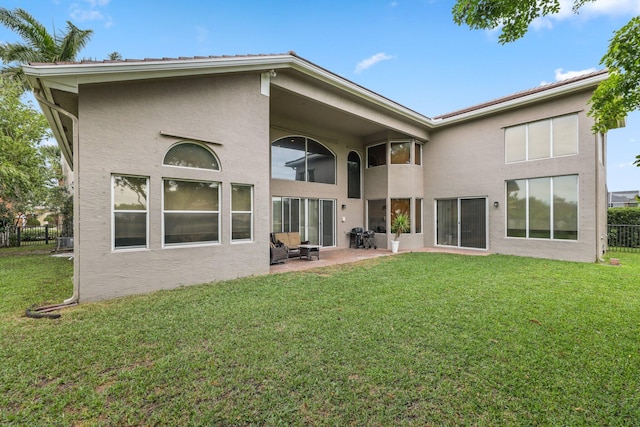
<point x="24" y="175"/>
<point x="615" y="97"/>
<point x="38" y="44"/>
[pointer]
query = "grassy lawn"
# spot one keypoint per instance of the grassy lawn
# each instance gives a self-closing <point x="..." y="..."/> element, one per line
<point x="414" y="339"/>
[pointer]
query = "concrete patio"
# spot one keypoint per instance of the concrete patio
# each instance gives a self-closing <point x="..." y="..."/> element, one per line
<point x="335" y="256"/>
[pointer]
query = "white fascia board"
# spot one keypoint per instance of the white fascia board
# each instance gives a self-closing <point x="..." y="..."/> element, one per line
<point x="68" y="77"/>
<point x="525" y="100"/>
<point x="72" y="75"/>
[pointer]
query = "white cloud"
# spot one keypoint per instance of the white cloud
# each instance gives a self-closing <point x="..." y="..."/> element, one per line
<point x="611" y="8"/>
<point x="560" y="74"/>
<point x="82" y="15"/>
<point x="95" y="3"/>
<point x="588" y="11"/>
<point x="370" y="62"/>
<point x="89" y="10"/>
<point x="564" y="75"/>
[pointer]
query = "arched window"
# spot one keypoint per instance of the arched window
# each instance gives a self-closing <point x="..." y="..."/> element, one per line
<point x="297" y="158"/>
<point x="353" y="175"/>
<point x="191" y="155"/>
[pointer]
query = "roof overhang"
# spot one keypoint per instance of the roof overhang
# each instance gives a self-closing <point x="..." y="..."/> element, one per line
<point x="46" y="79"/>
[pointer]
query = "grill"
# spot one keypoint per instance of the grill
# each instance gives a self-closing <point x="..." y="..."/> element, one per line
<point x="362" y="239"/>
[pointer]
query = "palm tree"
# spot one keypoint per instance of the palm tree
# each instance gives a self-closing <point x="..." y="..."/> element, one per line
<point x="39" y="45"/>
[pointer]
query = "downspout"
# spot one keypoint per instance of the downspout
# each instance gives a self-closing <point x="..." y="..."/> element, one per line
<point x="600" y="236"/>
<point x="75" y="145"/>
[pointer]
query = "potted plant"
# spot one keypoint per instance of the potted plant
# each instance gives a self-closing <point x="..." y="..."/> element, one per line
<point x="400" y="223"/>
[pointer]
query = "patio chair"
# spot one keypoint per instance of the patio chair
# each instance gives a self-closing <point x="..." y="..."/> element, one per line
<point x="279" y="253"/>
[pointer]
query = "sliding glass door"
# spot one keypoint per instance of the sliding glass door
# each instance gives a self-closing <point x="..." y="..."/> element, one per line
<point x="462" y="222"/>
<point x="313" y="218"/>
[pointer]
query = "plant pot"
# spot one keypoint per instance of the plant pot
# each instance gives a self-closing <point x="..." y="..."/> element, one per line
<point x="394" y="246"/>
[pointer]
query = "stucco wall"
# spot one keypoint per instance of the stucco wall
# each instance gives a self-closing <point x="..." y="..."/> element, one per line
<point x="120" y="127"/>
<point x="468" y="160"/>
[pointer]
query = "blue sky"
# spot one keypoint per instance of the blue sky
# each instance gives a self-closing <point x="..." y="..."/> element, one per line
<point x="407" y="50"/>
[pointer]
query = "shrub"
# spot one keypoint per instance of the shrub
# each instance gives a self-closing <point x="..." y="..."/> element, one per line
<point x="623" y="216"/>
<point x="33" y="222"/>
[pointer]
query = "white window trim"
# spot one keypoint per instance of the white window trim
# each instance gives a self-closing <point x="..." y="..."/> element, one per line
<point x="360" y="176"/>
<point x="386" y="153"/>
<point x="113" y="217"/>
<point x="551" y="146"/>
<point x="551" y="213"/>
<point x="250" y="239"/>
<point x="189" y="167"/>
<point x="191" y="244"/>
<point x="306" y="159"/>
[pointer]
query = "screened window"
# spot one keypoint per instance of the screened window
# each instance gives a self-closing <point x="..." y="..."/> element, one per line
<point x="400" y="153"/>
<point x="377" y="155"/>
<point x="302" y="159"/>
<point x="191" y="155"/>
<point x="353" y="175"/>
<point x="543" y="208"/>
<point x="130" y="211"/>
<point x="191" y="212"/>
<point x="241" y="212"/>
<point x="542" y="139"/>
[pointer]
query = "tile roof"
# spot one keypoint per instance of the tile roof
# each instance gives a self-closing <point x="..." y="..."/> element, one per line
<point x="520" y="94"/>
<point x="180" y="58"/>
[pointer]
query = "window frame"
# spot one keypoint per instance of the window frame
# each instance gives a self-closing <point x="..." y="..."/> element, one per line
<point x="115" y="248"/>
<point x="552" y="209"/>
<point x="418" y="218"/>
<point x="409" y="153"/>
<point x="386" y="154"/>
<point x="307" y="171"/>
<point x="189" y="142"/>
<point x="250" y="212"/>
<point x="551" y="146"/>
<point x="349" y="177"/>
<point x="184" y="211"/>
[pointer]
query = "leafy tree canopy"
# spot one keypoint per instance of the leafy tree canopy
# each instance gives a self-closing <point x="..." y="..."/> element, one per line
<point x="615" y="97"/>
<point x="23" y="169"/>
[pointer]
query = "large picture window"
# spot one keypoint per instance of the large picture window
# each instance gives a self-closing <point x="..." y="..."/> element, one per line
<point x="130" y="211"/>
<point x="543" y="208"/>
<point x="191" y="212"/>
<point x="241" y="212"/>
<point x="302" y="159"/>
<point x="543" y="139"/>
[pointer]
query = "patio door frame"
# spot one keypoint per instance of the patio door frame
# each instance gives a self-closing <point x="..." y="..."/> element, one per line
<point x="461" y="224"/>
<point x="321" y="228"/>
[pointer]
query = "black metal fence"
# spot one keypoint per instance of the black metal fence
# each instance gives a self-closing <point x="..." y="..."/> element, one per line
<point x="14" y="236"/>
<point x="624" y="238"/>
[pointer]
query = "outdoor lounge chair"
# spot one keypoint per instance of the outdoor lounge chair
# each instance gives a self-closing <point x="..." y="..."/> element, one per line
<point x="279" y="253"/>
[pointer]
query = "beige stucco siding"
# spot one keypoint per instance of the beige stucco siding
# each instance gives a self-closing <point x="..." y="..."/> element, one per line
<point x="120" y="133"/>
<point x="468" y="160"/>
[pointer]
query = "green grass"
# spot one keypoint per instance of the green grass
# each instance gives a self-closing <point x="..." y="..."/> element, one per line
<point x="415" y="339"/>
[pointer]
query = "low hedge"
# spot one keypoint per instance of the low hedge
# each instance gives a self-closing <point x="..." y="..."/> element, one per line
<point x="623" y="216"/>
